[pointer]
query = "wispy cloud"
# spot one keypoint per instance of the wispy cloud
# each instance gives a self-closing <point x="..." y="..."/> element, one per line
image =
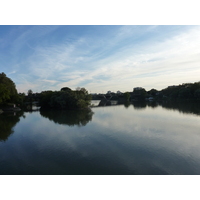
<point x="107" y="57"/>
<point x="12" y="72"/>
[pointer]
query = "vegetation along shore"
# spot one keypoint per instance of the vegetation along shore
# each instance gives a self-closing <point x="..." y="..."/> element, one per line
<point x="79" y="99"/>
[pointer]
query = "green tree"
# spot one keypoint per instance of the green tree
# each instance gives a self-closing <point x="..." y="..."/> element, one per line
<point x="4" y="94"/>
<point x="65" y="99"/>
<point x="8" y="92"/>
<point x="127" y="96"/>
<point x="197" y="94"/>
<point x="185" y="93"/>
<point x="153" y="92"/>
<point x="30" y="92"/>
<point x="45" y="98"/>
<point x="66" y="89"/>
<point x="139" y="94"/>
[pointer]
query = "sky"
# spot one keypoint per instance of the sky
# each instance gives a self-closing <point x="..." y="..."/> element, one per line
<point x="99" y="58"/>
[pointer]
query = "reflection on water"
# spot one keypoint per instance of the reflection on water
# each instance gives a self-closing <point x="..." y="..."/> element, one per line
<point x="183" y="107"/>
<point x="139" y="105"/>
<point x="70" y="117"/>
<point x="7" y="123"/>
<point x="133" y="138"/>
<point x="193" y="108"/>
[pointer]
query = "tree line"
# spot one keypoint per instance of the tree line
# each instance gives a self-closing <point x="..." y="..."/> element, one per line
<point x="63" y="99"/>
<point x="80" y="99"/>
<point x="182" y="92"/>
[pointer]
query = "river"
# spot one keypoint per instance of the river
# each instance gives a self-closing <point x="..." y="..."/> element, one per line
<point x="130" y="139"/>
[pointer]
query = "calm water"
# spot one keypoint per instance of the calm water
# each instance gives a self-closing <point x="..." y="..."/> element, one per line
<point x="119" y="139"/>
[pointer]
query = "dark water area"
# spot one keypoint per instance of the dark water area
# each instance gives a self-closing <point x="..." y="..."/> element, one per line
<point x="129" y="139"/>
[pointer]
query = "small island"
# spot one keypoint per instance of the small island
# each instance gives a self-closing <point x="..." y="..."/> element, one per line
<point x="65" y="99"/>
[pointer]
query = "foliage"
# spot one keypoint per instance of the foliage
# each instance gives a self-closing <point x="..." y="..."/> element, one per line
<point x="197" y="94"/>
<point x="127" y="95"/>
<point x="21" y="98"/>
<point x="45" y="98"/>
<point x="152" y="92"/>
<point x="4" y="94"/>
<point x="30" y="92"/>
<point x="65" y="89"/>
<point x="186" y="91"/>
<point x="139" y="94"/>
<point x="8" y="92"/>
<point x="65" y="99"/>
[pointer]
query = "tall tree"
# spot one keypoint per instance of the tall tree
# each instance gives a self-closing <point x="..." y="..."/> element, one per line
<point x="30" y="92"/>
<point x="8" y="92"/>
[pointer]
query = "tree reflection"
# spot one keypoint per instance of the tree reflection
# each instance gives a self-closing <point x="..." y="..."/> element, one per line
<point x="69" y="117"/>
<point x="139" y="104"/>
<point x="127" y="104"/>
<point x="152" y="104"/>
<point x="184" y="107"/>
<point x="7" y="122"/>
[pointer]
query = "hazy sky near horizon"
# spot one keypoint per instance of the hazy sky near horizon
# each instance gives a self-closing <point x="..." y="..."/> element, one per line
<point x="99" y="58"/>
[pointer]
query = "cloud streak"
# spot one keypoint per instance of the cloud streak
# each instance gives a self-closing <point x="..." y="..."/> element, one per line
<point x="102" y="58"/>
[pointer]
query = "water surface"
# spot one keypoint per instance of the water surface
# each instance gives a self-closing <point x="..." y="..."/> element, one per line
<point x="132" y="139"/>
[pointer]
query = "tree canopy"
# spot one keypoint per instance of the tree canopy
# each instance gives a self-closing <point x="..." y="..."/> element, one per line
<point x="65" y="99"/>
<point x="185" y="91"/>
<point x="8" y="92"/>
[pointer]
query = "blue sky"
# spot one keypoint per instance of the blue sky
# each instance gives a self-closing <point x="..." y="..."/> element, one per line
<point x="99" y="58"/>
